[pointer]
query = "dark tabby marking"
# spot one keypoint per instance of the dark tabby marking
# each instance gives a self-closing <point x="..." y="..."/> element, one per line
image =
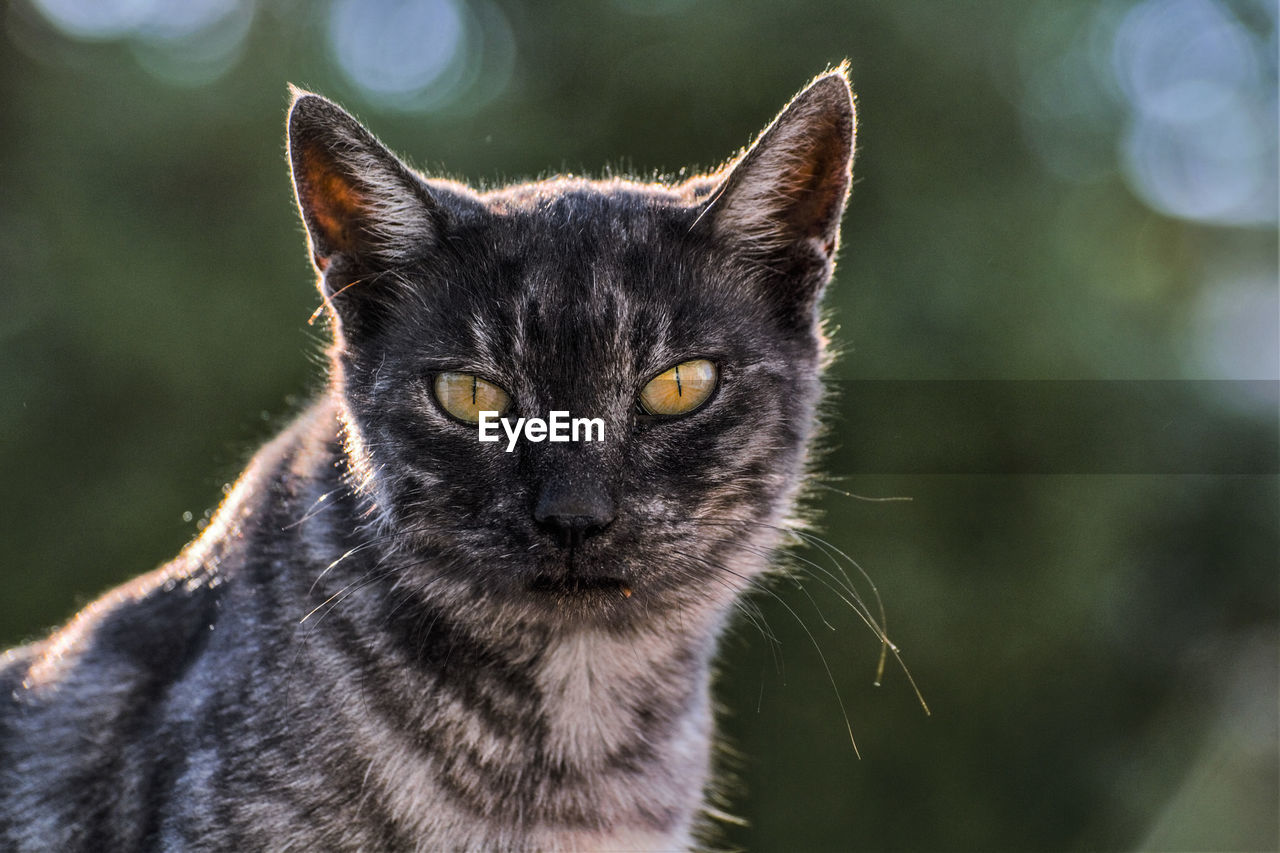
<point x="394" y="637"/>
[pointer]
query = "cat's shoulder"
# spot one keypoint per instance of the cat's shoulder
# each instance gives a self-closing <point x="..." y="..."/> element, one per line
<point x="150" y="627"/>
<point x="148" y="630"/>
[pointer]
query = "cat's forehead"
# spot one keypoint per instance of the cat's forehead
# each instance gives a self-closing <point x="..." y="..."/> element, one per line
<point x="606" y="270"/>
<point x="567" y="196"/>
<point x="595" y="247"/>
<point x="547" y="219"/>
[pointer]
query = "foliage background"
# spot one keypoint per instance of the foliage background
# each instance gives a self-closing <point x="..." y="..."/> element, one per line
<point x="1059" y="267"/>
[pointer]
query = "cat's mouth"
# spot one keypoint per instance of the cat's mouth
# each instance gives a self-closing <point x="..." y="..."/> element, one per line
<point x="578" y="585"/>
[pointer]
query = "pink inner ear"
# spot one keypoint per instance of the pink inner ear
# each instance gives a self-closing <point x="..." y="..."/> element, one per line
<point x="332" y="204"/>
<point x="792" y="184"/>
<point x="792" y="187"/>
<point x="812" y="191"/>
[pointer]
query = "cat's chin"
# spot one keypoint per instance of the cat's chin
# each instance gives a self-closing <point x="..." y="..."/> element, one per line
<point x="562" y="601"/>
<point x="579" y="589"/>
<point x="574" y="585"/>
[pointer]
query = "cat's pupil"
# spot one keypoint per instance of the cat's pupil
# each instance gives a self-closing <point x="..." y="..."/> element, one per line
<point x="466" y="395"/>
<point x="681" y="390"/>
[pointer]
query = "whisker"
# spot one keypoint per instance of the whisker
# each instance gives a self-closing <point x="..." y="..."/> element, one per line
<point x="375" y="573"/>
<point x="812" y="639"/>
<point x="857" y="497"/>
<point x="840" y="585"/>
<point x="362" y="546"/>
<point x="857" y="604"/>
<point x="888" y="645"/>
<point x="321" y="504"/>
<point x="749" y="609"/>
<point x="853" y="600"/>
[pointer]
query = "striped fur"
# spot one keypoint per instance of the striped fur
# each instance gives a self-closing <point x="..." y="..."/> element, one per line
<point x="375" y="646"/>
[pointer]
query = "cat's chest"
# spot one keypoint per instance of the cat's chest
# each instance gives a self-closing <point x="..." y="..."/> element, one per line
<point x="618" y="761"/>
<point x="598" y="694"/>
<point x="625" y="840"/>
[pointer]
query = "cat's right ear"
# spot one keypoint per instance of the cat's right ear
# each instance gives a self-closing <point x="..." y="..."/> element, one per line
<point x="782" y="200"/>
<point x="357" y="199"/>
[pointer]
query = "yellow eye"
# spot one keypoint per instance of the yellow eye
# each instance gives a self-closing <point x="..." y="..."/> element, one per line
<point x="681" y="389"/>
<point x="465" y="396"/>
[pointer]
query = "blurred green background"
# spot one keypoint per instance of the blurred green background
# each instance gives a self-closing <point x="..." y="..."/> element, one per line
<point x="1058" y="270"/>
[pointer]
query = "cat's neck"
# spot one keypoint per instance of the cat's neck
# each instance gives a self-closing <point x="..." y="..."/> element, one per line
<point x="604" y="695"/>
<point x="606" y="744"/>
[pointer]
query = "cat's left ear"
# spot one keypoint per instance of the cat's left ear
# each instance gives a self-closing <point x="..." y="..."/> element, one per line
<point x="782" y="201"/>
<point x="357" y="199"/>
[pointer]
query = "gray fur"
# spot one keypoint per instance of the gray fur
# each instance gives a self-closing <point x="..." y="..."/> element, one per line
<point x="374" y="646"/>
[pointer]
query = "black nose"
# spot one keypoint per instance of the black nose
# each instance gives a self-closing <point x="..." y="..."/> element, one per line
<point x="573" y="512"/>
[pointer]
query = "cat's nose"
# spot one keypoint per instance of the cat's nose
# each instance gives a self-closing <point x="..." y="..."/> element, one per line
<point x="573" y="512"/>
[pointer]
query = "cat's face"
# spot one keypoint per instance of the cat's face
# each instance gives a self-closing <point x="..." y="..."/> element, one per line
<point x="574" y="296"/>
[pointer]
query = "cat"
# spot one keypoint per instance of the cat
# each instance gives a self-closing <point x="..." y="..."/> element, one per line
<point x="393" y="636"/>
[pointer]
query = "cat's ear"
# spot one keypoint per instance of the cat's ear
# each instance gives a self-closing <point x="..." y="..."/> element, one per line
<point x="782" y="200"/>
<point x="357" y="199"/>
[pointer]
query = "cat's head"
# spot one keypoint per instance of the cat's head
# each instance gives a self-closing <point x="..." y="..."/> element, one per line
<point x="582" y="297"/>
